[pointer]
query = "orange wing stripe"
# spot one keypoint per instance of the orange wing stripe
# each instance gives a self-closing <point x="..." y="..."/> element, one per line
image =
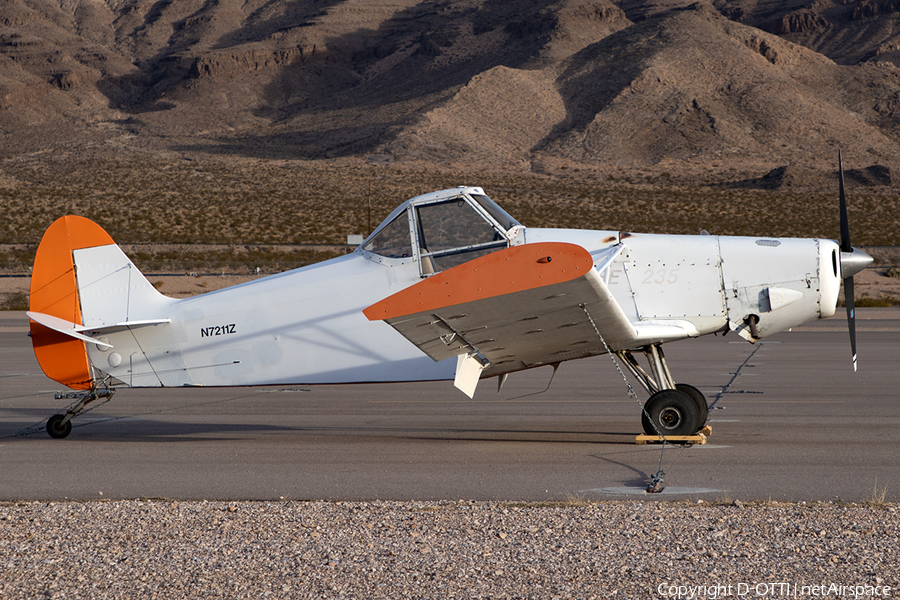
<point x="504" y="272"/>
<point x="54" y="291"/>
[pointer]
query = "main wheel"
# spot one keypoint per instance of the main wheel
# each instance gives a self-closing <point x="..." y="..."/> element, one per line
<point x="672" y="412"/>
<point x="698" y="398"/>
<point x="56" y="428"/>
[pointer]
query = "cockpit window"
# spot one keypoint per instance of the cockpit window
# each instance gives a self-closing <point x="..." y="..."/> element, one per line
<point x="452" y="225"/>
<point x="499" y="215"/>
<point x="392" y="241"/>
<point x="453" y="232"/>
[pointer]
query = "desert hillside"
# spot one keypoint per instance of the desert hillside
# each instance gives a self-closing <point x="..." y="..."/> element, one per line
<point x="527" y="86"/>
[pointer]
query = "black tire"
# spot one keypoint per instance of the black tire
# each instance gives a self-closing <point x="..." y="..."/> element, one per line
<point x="672" y="412"/>
<point x="56" y="429"/>
<point x="698" y="398"/>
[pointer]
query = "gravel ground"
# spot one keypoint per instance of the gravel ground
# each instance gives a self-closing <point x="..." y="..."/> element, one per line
<point x="167" y="549"/>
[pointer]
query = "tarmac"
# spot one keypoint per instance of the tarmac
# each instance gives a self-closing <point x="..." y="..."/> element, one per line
<point x="790" y="421"/>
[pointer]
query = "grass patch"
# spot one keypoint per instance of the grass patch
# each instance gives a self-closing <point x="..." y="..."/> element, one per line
<point x="878" y="496"/>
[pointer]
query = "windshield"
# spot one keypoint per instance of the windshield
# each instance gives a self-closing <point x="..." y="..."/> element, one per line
<point x="452" y="225"/>
<point x="497" y="213"/>
<point x="453" y="232"/>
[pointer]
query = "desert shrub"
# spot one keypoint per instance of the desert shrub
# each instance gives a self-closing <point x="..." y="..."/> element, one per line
<point x="15" y="301"/>
<point x="153" y="201"/>
<point x="882" y="301"/>
<point x="878" y="302"/>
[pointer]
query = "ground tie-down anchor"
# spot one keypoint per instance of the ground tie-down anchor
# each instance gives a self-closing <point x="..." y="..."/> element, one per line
<point x="656" y="480"/>
<point x="656" y="483"/>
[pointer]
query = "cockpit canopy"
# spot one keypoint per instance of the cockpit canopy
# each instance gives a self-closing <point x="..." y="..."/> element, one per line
<point x="441" y="230"/>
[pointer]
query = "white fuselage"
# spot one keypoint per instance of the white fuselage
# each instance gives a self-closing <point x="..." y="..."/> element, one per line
<point x="307" y="326"/>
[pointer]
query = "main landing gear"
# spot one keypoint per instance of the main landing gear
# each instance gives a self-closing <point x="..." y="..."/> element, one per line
<point x="673" y="408"/>
<point x="60" y="426"/>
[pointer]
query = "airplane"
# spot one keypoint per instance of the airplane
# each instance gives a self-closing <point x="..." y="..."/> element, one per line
<point x="448" y="287"/>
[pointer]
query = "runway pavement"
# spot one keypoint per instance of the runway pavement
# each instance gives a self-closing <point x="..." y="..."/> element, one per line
<point x="790" y="419"/>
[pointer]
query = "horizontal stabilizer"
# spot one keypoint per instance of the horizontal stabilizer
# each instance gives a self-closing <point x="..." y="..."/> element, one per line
<point x="64" y="327"/>
<point x="74" y="330"/>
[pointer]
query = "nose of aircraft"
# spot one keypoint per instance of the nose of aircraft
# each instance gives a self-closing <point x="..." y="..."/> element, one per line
<point x="853" y="262"/>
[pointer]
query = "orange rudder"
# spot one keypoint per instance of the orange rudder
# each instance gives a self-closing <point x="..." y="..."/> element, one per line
<point x="54" y="291"/>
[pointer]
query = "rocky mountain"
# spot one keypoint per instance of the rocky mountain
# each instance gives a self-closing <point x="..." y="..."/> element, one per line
<point x="664" y="84"/>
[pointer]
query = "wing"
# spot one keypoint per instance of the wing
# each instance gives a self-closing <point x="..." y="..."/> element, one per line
<point x="514" y="309"/>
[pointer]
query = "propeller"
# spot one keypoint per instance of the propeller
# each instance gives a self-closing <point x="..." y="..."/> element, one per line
<point x="852" y="262"/>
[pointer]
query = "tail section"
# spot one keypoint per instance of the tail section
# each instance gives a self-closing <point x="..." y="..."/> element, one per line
<point x="82" y="282"/>
<point x="54" y="292"/>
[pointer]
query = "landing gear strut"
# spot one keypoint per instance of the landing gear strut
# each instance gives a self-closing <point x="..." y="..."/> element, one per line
<point x="673" y="408"/>
<point x="60" y="426"/>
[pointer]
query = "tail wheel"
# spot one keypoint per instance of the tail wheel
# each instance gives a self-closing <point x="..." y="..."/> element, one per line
<point x="698" y="398"/>
<point x="670" y="412"/>
<point x="56" y="428"/>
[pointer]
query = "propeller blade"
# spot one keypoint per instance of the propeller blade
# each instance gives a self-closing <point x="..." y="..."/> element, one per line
<point x="845" y="222"/>
<point x="851" y="317"/>
<point x="852" y="262"/>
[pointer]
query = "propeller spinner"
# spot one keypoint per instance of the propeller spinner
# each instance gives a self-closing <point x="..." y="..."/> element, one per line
<point x="853" y="261"/>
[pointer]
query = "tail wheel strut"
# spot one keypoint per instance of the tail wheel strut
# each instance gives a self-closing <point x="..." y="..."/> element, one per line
<point x="60" y="425"/>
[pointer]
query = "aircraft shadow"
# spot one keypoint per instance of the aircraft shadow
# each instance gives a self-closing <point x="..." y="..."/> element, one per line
<point x="131" y="429"/>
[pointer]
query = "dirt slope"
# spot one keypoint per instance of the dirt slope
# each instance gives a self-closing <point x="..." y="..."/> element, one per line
<point x="696" y="86"/>
<point x="747" y="84"/>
